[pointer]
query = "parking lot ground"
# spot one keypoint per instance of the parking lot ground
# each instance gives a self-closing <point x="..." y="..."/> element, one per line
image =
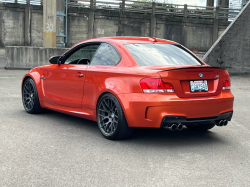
<point x="54" y="149"/>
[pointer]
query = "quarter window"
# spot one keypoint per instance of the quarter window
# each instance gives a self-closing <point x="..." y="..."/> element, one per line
<point x="106" y="55"/>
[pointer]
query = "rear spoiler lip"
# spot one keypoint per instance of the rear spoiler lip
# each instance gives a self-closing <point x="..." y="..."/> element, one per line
<point x="196" y="67"/>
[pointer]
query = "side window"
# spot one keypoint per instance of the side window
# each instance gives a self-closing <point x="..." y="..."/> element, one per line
<point x="82" y="55"/>
<point x="106" y="55"/>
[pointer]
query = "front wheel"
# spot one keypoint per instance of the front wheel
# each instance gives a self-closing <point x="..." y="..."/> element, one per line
<point x="30" y="97"/>
<point x="201" y="127"/>
<point x="111" y="119"/>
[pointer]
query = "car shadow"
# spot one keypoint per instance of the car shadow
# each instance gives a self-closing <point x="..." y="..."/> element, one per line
<point x="184" y="138"/>
<point x="142" y="136"/>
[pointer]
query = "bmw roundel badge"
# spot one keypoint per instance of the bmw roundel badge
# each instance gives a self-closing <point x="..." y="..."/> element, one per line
<point x="200" y="75"/>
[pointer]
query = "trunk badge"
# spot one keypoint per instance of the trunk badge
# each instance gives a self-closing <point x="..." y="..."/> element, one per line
<point x="200" y="75"/>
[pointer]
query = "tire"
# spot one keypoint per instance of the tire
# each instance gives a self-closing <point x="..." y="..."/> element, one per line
<point x="201" y="127"/>
<point x="111" y="119"/>
<point x="30" y="97"/>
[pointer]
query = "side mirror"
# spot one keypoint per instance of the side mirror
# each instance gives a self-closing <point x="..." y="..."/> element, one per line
<point x="54" y="59"/>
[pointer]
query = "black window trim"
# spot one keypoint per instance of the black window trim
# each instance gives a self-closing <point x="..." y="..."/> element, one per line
<point x="66" y="55"/>
<point x="76" y="48"/>
<point x="183" y="48"/>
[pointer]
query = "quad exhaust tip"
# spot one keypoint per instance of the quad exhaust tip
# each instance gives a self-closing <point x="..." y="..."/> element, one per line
<point x="179" y="127"/>
<point x="222" y="123"/>
<point x="175" y="126"/>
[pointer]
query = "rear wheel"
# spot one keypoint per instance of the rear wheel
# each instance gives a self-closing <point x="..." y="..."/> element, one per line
<point x="201" y="127"/>
<point x="30" y="97"/>
<point x="111" y="119"/>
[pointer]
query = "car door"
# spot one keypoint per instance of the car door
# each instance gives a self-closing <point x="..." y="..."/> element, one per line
<point x="65" y="81"/>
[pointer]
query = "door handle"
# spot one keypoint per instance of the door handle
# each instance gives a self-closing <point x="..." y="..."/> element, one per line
<point x="79" y="75"/>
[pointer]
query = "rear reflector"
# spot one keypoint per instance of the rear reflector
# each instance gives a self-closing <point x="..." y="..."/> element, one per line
<point x="151" y="85"/>
<point x="227" y="84"/>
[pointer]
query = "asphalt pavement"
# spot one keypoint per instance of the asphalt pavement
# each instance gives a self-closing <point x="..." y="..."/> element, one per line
<point x="54" y="149"/>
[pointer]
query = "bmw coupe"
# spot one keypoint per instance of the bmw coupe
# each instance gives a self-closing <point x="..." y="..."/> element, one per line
<point x="128" y="82"/>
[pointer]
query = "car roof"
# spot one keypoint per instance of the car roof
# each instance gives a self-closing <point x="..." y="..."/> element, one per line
<point x="128" y="40"/>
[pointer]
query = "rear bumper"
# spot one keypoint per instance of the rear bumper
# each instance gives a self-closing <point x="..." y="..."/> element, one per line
<point x="167" y="120"/>
<point x="149" y="110"/>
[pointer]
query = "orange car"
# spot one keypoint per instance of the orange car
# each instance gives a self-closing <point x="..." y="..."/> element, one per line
<point x="127" y="82"/>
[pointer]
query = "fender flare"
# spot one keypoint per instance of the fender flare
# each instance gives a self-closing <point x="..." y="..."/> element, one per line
<point x="35" y="76"/>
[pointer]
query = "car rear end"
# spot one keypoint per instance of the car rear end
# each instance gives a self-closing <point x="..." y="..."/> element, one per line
<point x="187" y="91"/>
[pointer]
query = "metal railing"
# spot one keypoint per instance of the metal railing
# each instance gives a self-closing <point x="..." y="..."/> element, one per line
<point x="165" y="9"/>
<point x="32" y="2"/>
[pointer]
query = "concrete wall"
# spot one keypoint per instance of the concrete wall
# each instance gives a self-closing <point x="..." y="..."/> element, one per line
<point x="193" y="33"/>
<point x="77" y="26"/>
<point x="232" y="49"/>
<point x="29" y="57"/>
<point x="11" y="25"/>
<point x="36" y="36"/>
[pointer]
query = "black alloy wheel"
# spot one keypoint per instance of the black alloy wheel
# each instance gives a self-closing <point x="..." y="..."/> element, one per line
<point x="111" y="119"/>
<point x="30" y="98"/>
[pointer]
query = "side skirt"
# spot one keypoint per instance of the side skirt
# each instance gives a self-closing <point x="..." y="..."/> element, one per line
<point x="78" y="112"/>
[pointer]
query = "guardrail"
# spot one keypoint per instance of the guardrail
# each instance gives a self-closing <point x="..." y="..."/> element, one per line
<point x="32" y="2"/>
<point x="156" y="8"/>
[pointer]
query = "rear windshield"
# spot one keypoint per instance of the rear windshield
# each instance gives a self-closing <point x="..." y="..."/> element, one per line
<point x="157" y="54"/>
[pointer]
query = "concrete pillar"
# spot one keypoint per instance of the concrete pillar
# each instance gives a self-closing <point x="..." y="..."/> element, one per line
<point x="53" y="22"/>
<point x="120" y="31"/>
<point x="223" y="3"/>
<point x="91" y="19"/>
<point x="216" y="25"/>
<point x="185" y="11"/>
<point x="210" y="2"/>
<point x="49" y="23"/>
<point x="123" y="7"/>
<point x="60" y="23"/>
<point x="153" y="21"/>
<point x="27" y="24"/>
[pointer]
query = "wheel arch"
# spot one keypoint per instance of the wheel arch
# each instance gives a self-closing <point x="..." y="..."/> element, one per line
<point x="24" y="79"/>
<point x="35" y="76"/>
<point x="108" y="92"/>
<point x="117" y="97"/>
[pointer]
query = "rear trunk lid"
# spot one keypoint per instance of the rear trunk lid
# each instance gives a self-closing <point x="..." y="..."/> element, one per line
<point x="180" y="79"/>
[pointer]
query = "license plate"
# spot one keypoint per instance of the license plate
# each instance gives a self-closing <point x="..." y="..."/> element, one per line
<point x="199" y="86"/>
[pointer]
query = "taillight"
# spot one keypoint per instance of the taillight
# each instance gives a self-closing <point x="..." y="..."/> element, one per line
<point x="151" y="85"/>
<point x="227" y="84"/>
